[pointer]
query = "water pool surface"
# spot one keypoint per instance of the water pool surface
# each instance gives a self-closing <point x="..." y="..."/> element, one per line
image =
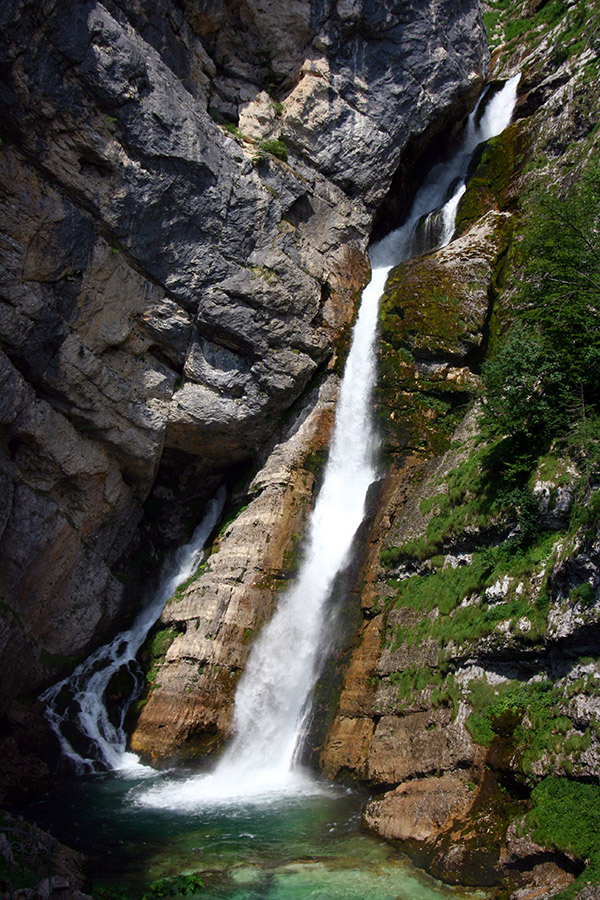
<point x="307" y="846"/>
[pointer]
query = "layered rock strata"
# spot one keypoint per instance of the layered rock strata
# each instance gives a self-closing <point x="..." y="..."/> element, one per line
<point x="214" y="618"/>
<point x="186" y="199"/>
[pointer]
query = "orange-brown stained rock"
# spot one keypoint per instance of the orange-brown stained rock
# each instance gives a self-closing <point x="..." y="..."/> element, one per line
<point x="190" y="706"/>
<point x="348" y="741"/>
<point x="419" y="810"/>
<point x="418" y="744"/>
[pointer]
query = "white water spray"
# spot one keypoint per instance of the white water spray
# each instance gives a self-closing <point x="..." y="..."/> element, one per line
<point x="85" y="689"/>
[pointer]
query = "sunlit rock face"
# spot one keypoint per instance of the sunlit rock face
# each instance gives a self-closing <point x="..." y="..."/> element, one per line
<point x="169" y="284"/>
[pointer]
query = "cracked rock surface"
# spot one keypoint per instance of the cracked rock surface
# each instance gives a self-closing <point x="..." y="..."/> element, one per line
<point x="167" y="285"/>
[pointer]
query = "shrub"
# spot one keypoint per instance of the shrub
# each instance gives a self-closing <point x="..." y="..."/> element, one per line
<point x="566" y="818"/>
<point x="275" y="148"/>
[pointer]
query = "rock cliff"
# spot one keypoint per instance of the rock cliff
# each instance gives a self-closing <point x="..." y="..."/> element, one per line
<point x="187" y="198"/>
<point x="187" y="194"/>
<point x="471" y="701"/>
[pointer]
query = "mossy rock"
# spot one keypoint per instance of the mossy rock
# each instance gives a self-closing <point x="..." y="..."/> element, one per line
<point x="435" y="306"/>
<point x="421" y="309"/>
<point x="493" y="175"/>
<point x="419" y="421"/>
<point x="434" y="310"/>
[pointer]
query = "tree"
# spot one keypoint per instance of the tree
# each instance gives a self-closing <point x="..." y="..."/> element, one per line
<point x="524" y="389"/>
<point x="561" y="293"/>
<point x="545" y="376"/>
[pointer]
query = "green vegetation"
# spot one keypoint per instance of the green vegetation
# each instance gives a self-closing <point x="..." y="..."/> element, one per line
<point x="539" y="389"/>
<point x="566" y="818"/>
<point x="175" y="886"/>
<point x="155" y="650"/>
<point x="160" y="641"/>
<point x="315" y="461"/>
<point x="489" y="490"/>
<point x="560" y="251"/>
<point x="182" y="588"/>
<point x="232" y="129"/>
<point x="293" y="554"/>
<point x="415" y="680"/>
<point x="527" y="713"/>
<point x="491" y="175"/>
<point x="504" y="22"/>
<point x="444" y="591"/>
<point x="170" y="886"/>
<point x="228" y="520"/>
<point x="275" y="148"/>
<point x="543" y="383"/>
<point x="540" y="422"/>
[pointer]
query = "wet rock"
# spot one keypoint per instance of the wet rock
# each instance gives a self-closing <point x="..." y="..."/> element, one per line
<point x="348" y="741"/>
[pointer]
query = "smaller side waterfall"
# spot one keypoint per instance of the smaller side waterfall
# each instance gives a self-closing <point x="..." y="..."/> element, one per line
<point x="76" y="705"/>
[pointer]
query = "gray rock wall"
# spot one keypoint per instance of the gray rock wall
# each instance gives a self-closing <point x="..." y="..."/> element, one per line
<point x="167" y="284"/>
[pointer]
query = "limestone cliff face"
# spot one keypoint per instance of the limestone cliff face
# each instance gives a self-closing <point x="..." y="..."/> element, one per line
<point x="470" y="653"/>
<point x="214" y="618"/>
<point x="187" y="194"/>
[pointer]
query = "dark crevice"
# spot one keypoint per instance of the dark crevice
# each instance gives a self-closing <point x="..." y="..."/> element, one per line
<point x="436" y="144"/>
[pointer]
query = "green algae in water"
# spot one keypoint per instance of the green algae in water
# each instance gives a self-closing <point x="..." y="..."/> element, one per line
<point x="297" y="848"/>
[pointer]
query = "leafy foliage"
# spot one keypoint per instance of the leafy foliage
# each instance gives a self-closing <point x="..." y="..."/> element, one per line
<point x="562" y="252"/>
<point x="524" y="389"/>
<point x="175" y="886"/>
<point x="544" y="381"/>
<point x="551" y="359"/>
<point x="566" y="817"/>
<point x="170" y="886"/>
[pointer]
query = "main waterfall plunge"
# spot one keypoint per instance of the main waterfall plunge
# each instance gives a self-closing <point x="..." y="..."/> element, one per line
<point x="272" y="701"/>
<point x="272" y="697"/>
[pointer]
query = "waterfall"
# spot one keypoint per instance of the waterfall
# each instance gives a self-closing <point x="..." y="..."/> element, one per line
<point x="271" y="697"/>
<point x="273" y="694"/>
<point x="430" y="224"/>
<point x="76" y="706"/>
<point x="272" y="701"/>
